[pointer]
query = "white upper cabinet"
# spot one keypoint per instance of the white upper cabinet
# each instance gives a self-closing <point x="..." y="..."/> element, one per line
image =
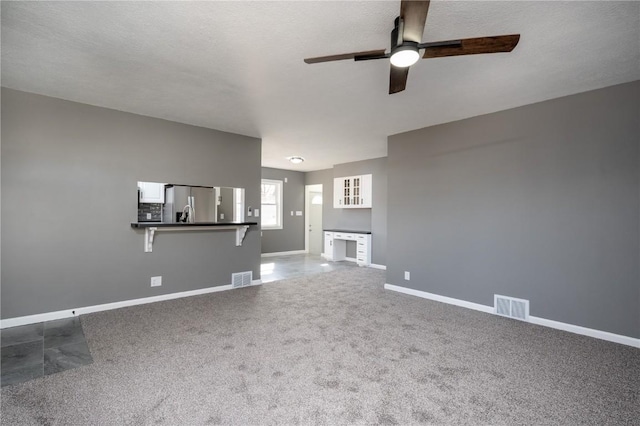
<point x="151" y="192"/>
<point x="352" y="192"/>
<point x="366" y="194"/>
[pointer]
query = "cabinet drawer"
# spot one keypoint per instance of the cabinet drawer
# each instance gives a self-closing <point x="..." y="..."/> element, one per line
<point x="349" y="237"/>
<point x="328" y="234"/>
<point x="362" y="237"/>
<point x="337" y="235"/>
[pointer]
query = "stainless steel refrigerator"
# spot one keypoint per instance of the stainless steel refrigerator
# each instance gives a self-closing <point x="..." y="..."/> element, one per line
<point x="189" y="204"/>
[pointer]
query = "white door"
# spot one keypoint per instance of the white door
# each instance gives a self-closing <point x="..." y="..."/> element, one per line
<point x="315" y="223"/>
<point x="313" y="219"/>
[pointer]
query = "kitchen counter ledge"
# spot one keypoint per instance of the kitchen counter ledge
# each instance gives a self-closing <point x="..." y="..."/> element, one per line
<point x="180" y="224"/>
<point x="150" y="229"/>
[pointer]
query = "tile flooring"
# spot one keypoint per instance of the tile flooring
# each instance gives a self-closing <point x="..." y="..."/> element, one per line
<point x="36" y="350"/>
<point x="280" y="267"/>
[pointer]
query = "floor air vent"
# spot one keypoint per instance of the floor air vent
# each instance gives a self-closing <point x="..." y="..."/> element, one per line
<point x="241" y="279"/>
<point x="511" y="307"/>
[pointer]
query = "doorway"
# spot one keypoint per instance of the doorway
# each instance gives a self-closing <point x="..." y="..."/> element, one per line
<point x="313" y="219"/>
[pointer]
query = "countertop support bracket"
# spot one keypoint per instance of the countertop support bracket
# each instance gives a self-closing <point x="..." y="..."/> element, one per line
<point x="241" y="231"/>
<point x="150" y="232"/>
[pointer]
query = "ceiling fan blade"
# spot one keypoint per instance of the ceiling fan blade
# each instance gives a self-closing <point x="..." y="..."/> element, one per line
<point x="371" y="57"/>
<point x="354" y="55"/>
<point x="413" y="15"/>
<point x="398" y="79"/>
<point x="470" y="46"/>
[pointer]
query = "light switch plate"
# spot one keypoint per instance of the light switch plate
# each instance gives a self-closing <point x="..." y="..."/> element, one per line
<point x="156" y="281"/>
<point x="407" y="275"/>
<point x="298" y="213"/>
<point x="257" y="212"/>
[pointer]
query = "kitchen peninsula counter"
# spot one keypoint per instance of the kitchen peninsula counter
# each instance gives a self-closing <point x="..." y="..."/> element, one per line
<point x="139" y="225"/>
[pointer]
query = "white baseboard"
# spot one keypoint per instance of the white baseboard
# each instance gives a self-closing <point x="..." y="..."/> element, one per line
<point x="68" y="313"/>
<point x="438" y="298"/>
<point x="256" y="282"/>
<point x="598" y="334"/>
<point x="283" y="253"/>
<point x="376" y="266"/>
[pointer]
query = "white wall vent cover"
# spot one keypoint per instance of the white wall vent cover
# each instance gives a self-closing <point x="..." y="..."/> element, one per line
<point x="511" y="307"/>
<point x="241" y="279"/>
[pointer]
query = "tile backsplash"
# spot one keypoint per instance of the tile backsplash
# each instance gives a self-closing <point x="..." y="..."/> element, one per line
<point x="149" y="212"/>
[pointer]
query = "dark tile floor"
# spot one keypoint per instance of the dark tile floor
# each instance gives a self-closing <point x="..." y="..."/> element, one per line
<point x="281" y="267"/>
<point x="36" y="350"/>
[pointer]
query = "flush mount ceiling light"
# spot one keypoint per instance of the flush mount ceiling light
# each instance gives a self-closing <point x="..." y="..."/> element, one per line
<point x="405" y="55"/>
<point x="295" y="159"/>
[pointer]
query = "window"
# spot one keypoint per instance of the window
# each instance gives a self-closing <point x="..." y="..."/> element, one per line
<point x="238" y="200"/>
<point x="271" y="204"/>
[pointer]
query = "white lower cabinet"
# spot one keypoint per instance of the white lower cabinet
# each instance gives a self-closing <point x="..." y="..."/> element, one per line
<point x="335" y="246"/>
<point x="328" y="245"/>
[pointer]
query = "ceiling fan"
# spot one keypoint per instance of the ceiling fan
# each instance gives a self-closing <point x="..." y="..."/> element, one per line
<point x="406" y="45"/>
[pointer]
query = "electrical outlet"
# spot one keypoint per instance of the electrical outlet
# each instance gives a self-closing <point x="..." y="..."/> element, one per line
<point x="156" y="281"/>
<point x="291" y="212"/>
<point x="407" y="275"/>
<point x="221" y="215"/>
<point x="285" y="180"/>
<point x="257" y="212"/>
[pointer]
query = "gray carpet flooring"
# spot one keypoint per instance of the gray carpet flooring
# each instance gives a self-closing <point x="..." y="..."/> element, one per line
<point x="331" y="348"/>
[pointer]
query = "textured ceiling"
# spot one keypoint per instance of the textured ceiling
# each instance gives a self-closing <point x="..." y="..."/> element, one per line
<point x="237" y="66"/>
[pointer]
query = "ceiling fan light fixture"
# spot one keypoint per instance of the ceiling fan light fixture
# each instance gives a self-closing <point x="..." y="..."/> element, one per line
<point x="295" y="159"/>
<point x="405" y="55"/>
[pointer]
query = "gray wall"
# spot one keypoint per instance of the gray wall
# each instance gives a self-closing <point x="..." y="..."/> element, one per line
<point x="69" y="174"/>
<point x="374" y="219"/>
<point x="539" y="202"/>
<point x="291" y="236"/>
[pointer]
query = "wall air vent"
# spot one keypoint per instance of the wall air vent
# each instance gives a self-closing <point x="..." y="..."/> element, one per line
<point x="241" y="279"/>
<point x="511" y="307"/>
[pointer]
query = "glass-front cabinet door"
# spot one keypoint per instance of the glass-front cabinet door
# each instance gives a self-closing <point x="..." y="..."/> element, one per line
<point x="356" y="201"/>
<point x="346" y="199"/>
